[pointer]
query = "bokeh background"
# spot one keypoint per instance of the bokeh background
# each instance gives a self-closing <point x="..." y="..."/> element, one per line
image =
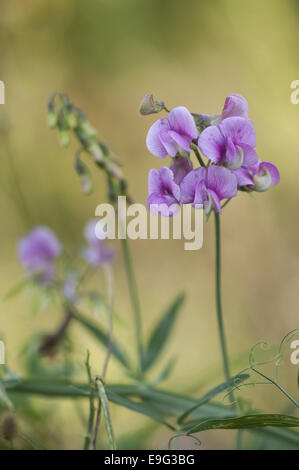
<point x="106" y="54"/>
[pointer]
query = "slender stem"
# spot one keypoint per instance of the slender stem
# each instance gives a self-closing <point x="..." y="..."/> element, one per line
<point x="134" y="298"/>
<point x="110" y="294"/>
<point x="226" y="369"/>
<point x="51" y="341"/>
<point x="198" y="156"/>
<point x="91" y="405"/>
<point x="277" y="385"/>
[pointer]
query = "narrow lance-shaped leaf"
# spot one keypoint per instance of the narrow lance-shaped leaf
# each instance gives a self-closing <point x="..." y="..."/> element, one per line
<point x="242" y="422"/>
<point x="226" y="386"/>
<point x="106" y="413"/>
<point x="160" y="334"/>
<point x="103" y="337"/>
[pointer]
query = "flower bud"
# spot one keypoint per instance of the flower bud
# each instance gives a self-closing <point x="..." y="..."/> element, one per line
<point x="87" y="129"/>
<point x="64" y="138"/>
<point x="52" y="119"/>
<point x="84" y="175"/>
<point x="96" y="151"/>
<point x="149" y="106"/>
<point x="71" y="120"/>
<point x="8" y="429"/>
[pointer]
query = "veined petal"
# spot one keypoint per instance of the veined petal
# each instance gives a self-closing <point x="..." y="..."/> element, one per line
<point x="231" y="150"/>
<point x="189" y="183"/>
<point x="181" y="121"/>
<point x="215" y="202"/>
<point x="153" y="140"/>
<point x="180" y="140"/>
<point x="168" y="142"/>
<point x="235" y="105"/>
<point x="222" y="181"/>
<point x="211" y="143"/>
<point x="154" y="181"/>
<point x="168" y="184"/>
<point x="162" y="204"/>
<point x="240" y="130"/>
<point x="250" y="155"/>
<point x="243" y="176"/>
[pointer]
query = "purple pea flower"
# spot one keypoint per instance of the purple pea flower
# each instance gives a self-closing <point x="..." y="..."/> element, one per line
<point x="234" y="106"/>
<point x="37" y="252"/>
<point x="96" y="253"/>
<point x="208" y="186"/>
<point x="259" y="177"/>
<point x="231" y="143"/>
<point x="172" y="135"/>
<point x="164" y="192"/>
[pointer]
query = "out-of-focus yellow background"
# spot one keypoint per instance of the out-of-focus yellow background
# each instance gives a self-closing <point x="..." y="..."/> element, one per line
<point x="107" y="54"/>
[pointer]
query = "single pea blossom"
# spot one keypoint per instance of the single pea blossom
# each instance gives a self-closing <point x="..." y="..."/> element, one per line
<point x="207" y="187"/>
<point x="259" y="177"/>
<point x="172" y="135"/>
<point x="231" y="143"/>
<point x="37" y="252"/>
<point x="164" y="192"/>
<point x="96" y="253"/>
<point x="235" y="106"/>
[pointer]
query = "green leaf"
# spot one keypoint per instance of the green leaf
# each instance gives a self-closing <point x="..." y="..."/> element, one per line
<point x="103" y="337"/>
<point x="225" y="386"/>
<point x="17" y="289"/>
<point x="277" y="438"/>
<point x="242" y="422"/>
<point x="106" y="412"/>
<point x="4" y="399"/>
<point x="160" y="334"/>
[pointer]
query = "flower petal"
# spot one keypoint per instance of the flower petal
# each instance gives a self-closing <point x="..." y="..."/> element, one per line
<point x="189" y="183"/>
<point x="180" y="140"/>
<point x="273" y="170"/>
<point x="240" y="130"/>
<point x="168" y="142"/>
<point x="168" y="184"/>
<point x="181" y="121"/>
<point x="154" y="181"/>
<point x="250" y="155"/>
<point x="235" y="105"/>
<point x="153" y="140"/>
<point x="162" y="204"/>
<point x="243" y="177"/>
<point x="212" y="143"/>
<point x="222" y="181"/>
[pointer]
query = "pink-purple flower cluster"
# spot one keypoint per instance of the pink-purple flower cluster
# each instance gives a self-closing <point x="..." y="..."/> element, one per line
<point x="228" y="142"/>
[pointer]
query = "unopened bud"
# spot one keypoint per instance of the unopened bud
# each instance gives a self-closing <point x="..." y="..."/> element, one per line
<point x="96" y="151"/>
<point x="52" y="119"/>
<point x="8" y="429"/>
<point x="149" y="106"/>
<point x="85" y="176"/>
<point x="87" y="129"/>
<point x="71" y="120"/>
<point x="64" y="138"/>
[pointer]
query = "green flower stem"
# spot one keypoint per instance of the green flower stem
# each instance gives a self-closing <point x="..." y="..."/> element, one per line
<point x="226" y="369"/>
<point x="197" y="154"/>
<point x="134" y="299"/>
